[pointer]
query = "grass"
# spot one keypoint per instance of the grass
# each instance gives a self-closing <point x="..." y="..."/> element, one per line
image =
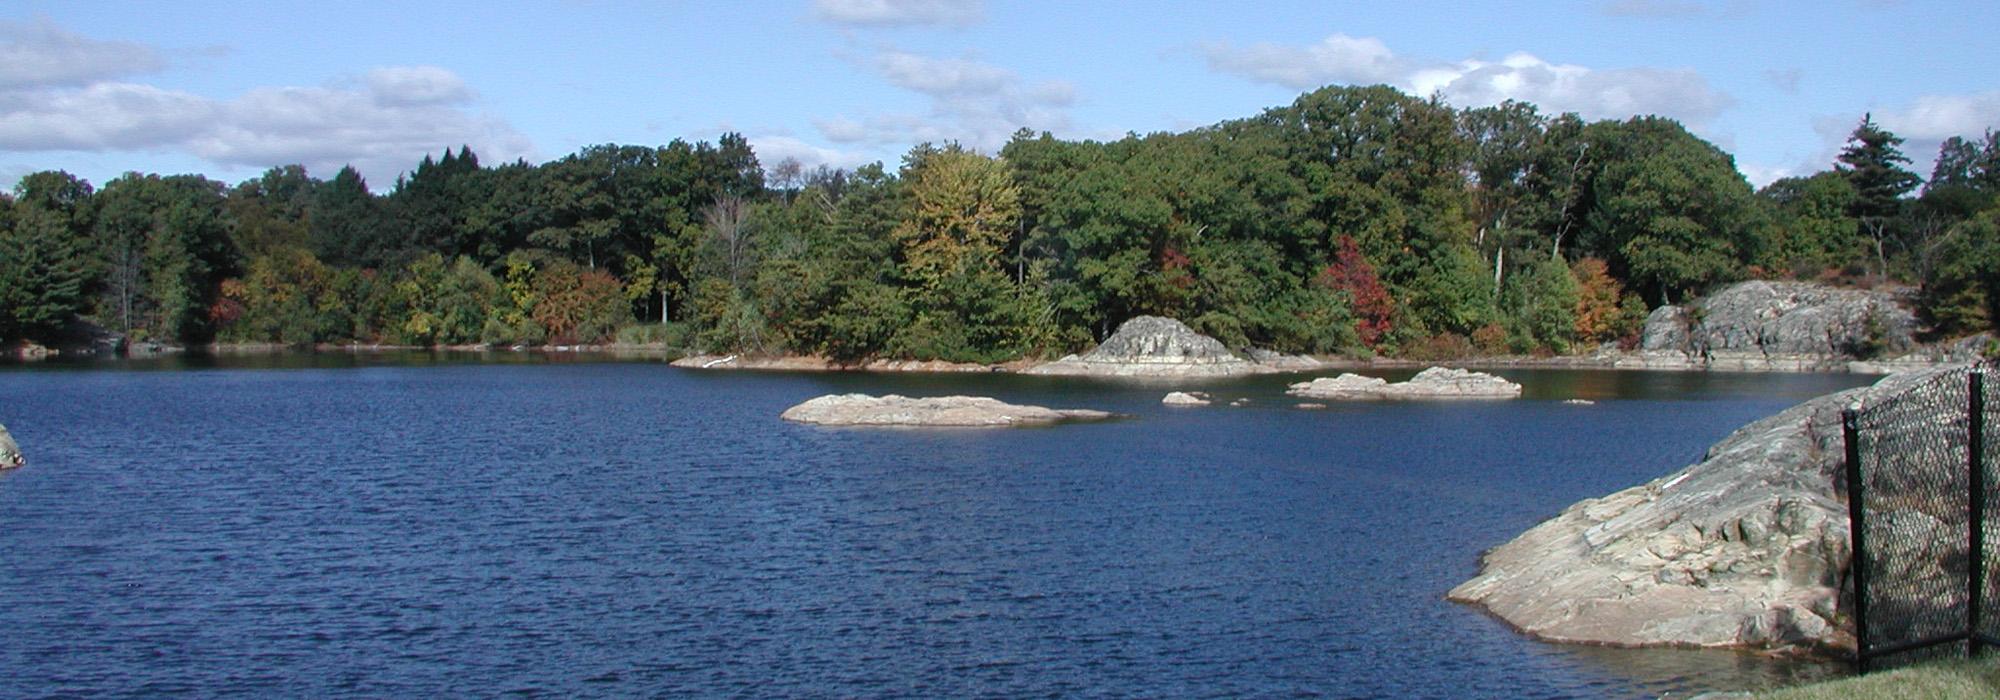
<point x="1970" y="679"/>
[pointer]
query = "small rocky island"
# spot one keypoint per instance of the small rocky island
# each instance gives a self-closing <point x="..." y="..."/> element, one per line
<point x="10" y="453"/>
<point x="1155" y="346"/>
<point x="1433" y="383"/>
<point x="1746" y="548"/>
<point x="940" y="411"/>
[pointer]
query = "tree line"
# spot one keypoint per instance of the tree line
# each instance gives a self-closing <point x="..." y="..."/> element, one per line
<point x="1355" y="220"/>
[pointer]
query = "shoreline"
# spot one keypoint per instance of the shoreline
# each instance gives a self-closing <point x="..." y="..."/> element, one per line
<point x="678" y="357"/>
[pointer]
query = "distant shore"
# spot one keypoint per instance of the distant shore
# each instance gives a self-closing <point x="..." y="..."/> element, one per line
<point x="679" y="357"/>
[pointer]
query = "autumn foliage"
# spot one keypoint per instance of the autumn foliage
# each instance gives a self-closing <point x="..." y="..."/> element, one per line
<point x="1374" y="308"/>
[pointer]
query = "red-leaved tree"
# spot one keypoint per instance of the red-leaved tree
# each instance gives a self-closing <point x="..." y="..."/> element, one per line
<point x="1374" y="309"/>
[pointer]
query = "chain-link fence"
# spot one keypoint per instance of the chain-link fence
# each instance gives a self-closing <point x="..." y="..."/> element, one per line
<point x="1920" y="472"/>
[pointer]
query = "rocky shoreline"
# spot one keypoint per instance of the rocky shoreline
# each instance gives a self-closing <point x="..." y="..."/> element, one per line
<point x="1746" y="548"/>
<point x="1755" y="326"/>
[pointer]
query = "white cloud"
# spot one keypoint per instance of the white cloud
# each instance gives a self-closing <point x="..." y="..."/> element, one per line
<point x="891" y="13"/>
<point x="1338" y="58"/>
<point x="1597" y="93"/>
<point x="40" y="54"/>
<point x="1926" y="122"/>
<point x="413" y="86"/>
<point x="101" y="117"/>
<point x="1760" y="175"/>
<point x="774" y="149"/>
<point x="974" y="103"/>
<point x="381" y="134"/>
<point x="943" y="76"/>
<point x="1938" y="117"/>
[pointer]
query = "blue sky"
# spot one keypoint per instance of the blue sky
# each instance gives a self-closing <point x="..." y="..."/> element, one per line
<point x="229" y="89"/>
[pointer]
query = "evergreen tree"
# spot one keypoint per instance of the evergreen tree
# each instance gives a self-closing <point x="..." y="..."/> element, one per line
<point x="43" y="270"/>
<point x="1874" y="165"/>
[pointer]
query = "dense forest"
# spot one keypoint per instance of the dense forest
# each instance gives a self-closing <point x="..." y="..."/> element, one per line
<point x="1356" y="220"/>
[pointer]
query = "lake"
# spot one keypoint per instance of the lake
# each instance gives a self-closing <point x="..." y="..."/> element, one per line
<point x="434" y="524"/>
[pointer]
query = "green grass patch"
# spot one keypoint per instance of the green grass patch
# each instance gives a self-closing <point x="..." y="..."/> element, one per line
<point x="1977" y="679"/>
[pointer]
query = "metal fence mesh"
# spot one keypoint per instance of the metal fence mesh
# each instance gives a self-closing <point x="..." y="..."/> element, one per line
<point x="1913" y="530"/>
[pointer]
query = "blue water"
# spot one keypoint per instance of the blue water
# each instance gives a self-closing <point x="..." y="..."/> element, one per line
<point x="385" y="528"/>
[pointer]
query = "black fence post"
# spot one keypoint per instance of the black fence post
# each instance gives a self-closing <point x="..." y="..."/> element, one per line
<point x="1975" y="447"/>
<point x="1858" y="565"/>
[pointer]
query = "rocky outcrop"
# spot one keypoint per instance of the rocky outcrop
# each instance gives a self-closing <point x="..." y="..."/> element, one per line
<point x="941" y="411"/>
<point x="1745" y="548"/>
<point x="1760" y="325"/>
<point x="10" y="453"/>
<point x="1182" y="398"/>
<point x="1433" y="383"/>
<point x="1153" y="346"/>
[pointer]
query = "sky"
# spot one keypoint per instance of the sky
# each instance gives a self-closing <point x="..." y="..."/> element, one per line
<point x="229" y="89"/>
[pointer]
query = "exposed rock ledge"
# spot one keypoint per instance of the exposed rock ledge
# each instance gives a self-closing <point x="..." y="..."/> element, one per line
<point x="1745" y="549"/>
<point x="941" y="411"/>
<point x="1782" y="326"/>
<point x="1154" y="346"/>
<point x="10" y="453"/>
<point x="1433" y="383"/>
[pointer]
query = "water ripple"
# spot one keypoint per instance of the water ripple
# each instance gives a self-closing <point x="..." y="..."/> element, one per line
<point x="609" y="530"/>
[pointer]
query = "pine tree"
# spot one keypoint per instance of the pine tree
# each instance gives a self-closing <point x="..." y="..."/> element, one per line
<point x="1874" y="164"/>
<point x="43" y="269"/>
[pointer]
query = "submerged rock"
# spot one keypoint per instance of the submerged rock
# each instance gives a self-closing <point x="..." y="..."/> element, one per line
<point x="940" y="411"/>
<point x="1182" y="398"/>
<point x="1745" y="548"/>
<point x="1433" y="383"/>
<point x="1154" y="346"/>
<point x="1762" y="325"/>
<point x="10" y="453"/>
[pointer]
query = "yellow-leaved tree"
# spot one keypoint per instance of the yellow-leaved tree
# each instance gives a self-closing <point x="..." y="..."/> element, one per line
<point x="963" y="208"/>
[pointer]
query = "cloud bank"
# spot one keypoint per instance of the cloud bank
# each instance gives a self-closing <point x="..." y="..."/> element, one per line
<point x="1555" y="87"/>
<point x="64" y="92"/>
<point x="975" y="103"/>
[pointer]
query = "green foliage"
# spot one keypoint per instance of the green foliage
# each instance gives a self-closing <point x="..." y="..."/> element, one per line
<point x="43" y="269"/>
<point x="1671" y="210"/>
<point x="1872" y="162"/>
<point x="727" y="319"/>
<point x="1812" y="229"/>
<point x="1963" y="295"/>
<point x="1540" y="303"/>
<point x="287" y="296"/>
<point x="1354" y="219"/>
<point x="447" y="304"/>
<point x="671" y="335"/>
